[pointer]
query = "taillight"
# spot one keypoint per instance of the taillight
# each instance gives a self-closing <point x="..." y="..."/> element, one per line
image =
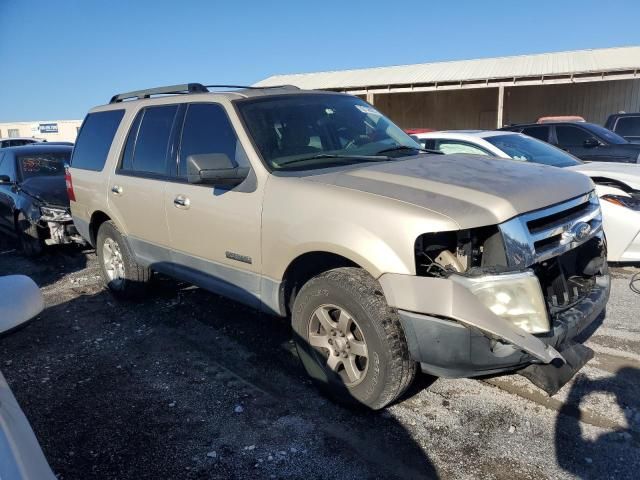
<point x="67" y="180"/>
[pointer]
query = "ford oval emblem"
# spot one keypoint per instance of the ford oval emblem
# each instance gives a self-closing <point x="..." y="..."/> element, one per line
<point x="580" y="231"/>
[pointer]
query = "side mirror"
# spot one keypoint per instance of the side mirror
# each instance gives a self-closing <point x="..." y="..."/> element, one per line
<point x="21" y="301"/>
<point x="591" y="143"/>
<point x="5" y="179"/>
<point x="214" y="169"/>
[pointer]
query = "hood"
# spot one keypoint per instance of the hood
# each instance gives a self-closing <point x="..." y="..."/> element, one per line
<point x="470" y="189"/>
<point x="627" y="173"/>
<point x="51" y="190"/>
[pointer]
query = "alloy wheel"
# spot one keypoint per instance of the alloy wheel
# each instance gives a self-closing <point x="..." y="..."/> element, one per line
<point x="112" y="260"/>
<point x="340" y="343"/>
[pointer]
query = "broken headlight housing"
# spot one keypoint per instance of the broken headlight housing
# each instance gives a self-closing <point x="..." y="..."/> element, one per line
<point x="514" y="297"/>
<point x="630" y="202"/>
<point x="54" y="214"/>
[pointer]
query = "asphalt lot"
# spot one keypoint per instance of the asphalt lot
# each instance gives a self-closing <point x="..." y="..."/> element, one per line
<point x="189" y="385"/>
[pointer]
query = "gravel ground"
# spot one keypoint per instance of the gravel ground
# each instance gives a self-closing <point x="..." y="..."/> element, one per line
<point x="189" y="385"/>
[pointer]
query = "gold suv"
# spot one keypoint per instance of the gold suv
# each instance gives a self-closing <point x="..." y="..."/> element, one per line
<point x="314" y="205"/>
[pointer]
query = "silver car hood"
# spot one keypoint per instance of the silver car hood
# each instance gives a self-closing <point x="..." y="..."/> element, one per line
<point x="472" y="190"/>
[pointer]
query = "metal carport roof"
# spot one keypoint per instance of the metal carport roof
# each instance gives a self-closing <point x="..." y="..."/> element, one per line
<point x="558" y="67"/>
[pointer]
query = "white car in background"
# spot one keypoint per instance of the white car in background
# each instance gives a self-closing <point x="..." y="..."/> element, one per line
<point x="617" y="184"/>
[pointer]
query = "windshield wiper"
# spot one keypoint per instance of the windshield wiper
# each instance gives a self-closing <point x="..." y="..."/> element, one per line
<point x="366" y="158"/>
<point x="406" y="147"/>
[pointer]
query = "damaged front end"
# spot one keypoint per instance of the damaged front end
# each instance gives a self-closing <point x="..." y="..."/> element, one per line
<point x="507" y="297"/>
<point x="54" y="224"/>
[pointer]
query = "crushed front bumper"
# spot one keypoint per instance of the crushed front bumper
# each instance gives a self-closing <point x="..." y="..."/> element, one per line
<point x="56" y="226"/>
<point x="452" y="334"/>
<point x="61" y="233"/>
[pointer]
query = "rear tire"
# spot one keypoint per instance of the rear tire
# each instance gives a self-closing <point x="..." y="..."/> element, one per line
<point x="28" y="237"/>
<point x="350" y="341"/>
<point x="120" y="272"/>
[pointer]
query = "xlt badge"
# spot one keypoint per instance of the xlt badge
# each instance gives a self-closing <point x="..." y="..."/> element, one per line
<point x="238" y="257"/>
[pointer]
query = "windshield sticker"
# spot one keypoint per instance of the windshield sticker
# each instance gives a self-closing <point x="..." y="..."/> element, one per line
<point x="368" y="110"/>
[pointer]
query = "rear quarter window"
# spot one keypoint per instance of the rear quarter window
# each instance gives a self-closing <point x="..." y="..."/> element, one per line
<point x="541" y="133"/>
<point x="94" y="140"/>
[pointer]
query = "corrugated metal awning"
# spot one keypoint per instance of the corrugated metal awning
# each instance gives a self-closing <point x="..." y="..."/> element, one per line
<point x="567" y="66"/>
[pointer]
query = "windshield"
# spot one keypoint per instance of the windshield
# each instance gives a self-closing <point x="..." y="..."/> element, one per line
<point x="43" y="164"/>
<point x="317" y="131"/>
<point x="607" y="134"/>
<point x="521" y="147"/>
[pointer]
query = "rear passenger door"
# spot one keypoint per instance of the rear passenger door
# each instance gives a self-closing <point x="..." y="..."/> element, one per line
<point x="215" y="232"/>
<point x="137" y="187"/>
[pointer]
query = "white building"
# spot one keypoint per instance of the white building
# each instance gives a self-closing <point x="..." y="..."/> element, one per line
<point x="490" y="92"/>
<point x="50" y="130"/>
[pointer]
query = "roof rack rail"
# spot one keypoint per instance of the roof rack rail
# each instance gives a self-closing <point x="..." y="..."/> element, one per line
<point x="250" y="87"/>
<point x="171" y="89"/>
<point x="182" y="89"/>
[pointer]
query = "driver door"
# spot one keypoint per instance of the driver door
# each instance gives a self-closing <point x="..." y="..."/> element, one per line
<point x="574" y="140"/>
<point x="214" y="232"/>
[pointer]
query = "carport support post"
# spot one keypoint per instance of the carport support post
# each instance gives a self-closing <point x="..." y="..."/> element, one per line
<point x="500" y="105"/>
<point x="370" y="98"/>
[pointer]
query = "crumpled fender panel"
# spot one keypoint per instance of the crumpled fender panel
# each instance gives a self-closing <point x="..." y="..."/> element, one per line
<point x="446" y="298"/>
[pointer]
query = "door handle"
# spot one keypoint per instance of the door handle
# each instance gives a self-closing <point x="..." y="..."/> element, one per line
<point x="116" y="190"/>
<point x="181" y="202"/>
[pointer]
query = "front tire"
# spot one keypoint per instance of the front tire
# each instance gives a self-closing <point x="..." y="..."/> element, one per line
<point x="120" y="272"/>
<point x="350" y="341"/>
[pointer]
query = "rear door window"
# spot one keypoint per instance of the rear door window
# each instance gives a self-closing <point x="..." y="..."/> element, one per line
<point x="94" y="140"/>
<point x="541" y="133"/>
<point x="454" y="146"/>
<point x="146" y="150"/>
<point x="628" y="126"/>
<point x="572" y="136"/>
<point x="207" y="129"/>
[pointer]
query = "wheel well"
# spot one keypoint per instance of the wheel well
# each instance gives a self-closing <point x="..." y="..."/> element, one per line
<point x="304" y="268"/>
<point x="97" y="219"/>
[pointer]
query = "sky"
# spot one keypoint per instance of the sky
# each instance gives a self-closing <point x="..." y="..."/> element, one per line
<point x="58" y="58"/>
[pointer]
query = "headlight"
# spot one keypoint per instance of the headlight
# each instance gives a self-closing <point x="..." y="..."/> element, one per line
<point x="515" y="297"/>
<point x="52" y="214"/>
<point x="630" y="202"/>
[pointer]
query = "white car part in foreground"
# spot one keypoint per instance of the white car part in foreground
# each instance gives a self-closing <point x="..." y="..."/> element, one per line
<point x="21" y="457"/>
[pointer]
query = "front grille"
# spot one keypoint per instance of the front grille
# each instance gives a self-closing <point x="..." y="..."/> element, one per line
<point x="569" y="277"/>
<point x="550" y="232"/>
